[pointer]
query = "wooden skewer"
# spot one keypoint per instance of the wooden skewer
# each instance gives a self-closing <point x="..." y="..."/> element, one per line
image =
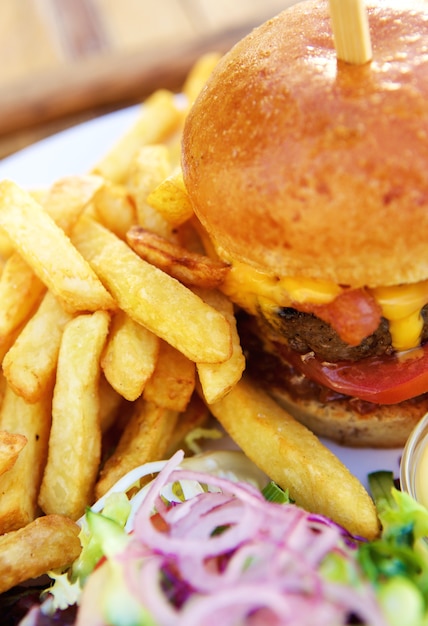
<point x="351" y="31"/>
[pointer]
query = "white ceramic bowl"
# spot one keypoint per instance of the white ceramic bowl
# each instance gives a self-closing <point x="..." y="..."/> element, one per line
<point x="414" y="463"/>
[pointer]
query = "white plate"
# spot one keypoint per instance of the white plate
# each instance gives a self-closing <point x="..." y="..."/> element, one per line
<point x="72" y="151"/>
<point x="75" y="151"/>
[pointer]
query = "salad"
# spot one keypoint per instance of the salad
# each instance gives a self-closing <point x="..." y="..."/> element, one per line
<point x="202" y="544"/>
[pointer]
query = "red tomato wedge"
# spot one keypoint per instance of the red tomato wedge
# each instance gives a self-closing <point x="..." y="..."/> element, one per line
<point x="382" y="380"/>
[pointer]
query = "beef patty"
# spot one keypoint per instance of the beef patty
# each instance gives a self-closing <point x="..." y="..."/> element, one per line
<point x="304" y="332"/>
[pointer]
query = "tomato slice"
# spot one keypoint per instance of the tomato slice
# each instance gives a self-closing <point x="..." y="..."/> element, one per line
<point x="382" y="380"/>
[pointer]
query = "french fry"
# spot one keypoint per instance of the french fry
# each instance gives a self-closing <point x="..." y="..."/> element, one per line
<point x="173" y="380"/>
<point x="152" y="298"/>
<point x="295" y="458"/>
<point x="217" y="379"/>
<point x="150" y="167"/>
<point x="49" y="252"/>
<point x="198" y="76"/>
<point x="20" y="289"/>
<point x="11" y="445"/>
<point x="3" y="386"/>
<point x="29" y="365"/>
<point x="75" y="439"/>
<point x="6" y="344"/>
<point x="40" y="194"/>
<point x="115" y="209"/>
<point x="6" y="246"/>
<point x="190" y="268"/>
<point x="19" y="486"/>
<point x="145" y="438"/>
<point x="130" y="356"/>
<point x="110" y="404"/>
<point x="188" y="237"/>
<point x="158" y="118"/>
<point x="68" y="197"/>
<point x="47" y="543"/>
<point x="209" y="247"/>
<point x="20" y="293"/>
<point x="171" y="199"/>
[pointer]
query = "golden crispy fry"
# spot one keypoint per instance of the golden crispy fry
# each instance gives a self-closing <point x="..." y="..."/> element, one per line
<point x="7" y="343"/>
<point x="110" y="404"/>
<point x="40" y="194"/>
<point x="152" y="298"/>
<point x="188" y="237"/>
<point x="29" y="365"/>
<point x="130" y="356"/>
<point x="190" y="268"/>
<point x="195" y="416"/>
<point x="20" y="289"/>
<point x="19" y="486"/>
<point x="150" y="167"/>
<point x="171" y="199"/>
<point x="158" y="118"/>
<point x="68" y="197"/>
<point x="295" y="458"/>
<point x="47" y="249"/>
<point x="144" y="439"/>
<point x="47" y="543"/>
<point x="75" y="440"/>
<point x="198" y="75"/>
<point x="20" y="293"/>
<point x="3" y="387"/>
<point x="6" y="246"/>
<point x="173" y="380"/>
<point x="208" y="245"/>
<point x="217" y="379"/>
<point x="11" y="445"/>
<point x="115" y="209"/>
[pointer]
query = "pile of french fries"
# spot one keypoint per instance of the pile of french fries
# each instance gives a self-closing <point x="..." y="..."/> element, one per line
<point x="116" y="341"/>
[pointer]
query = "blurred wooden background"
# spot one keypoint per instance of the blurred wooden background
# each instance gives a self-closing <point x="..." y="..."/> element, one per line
<point x="65" y="61"/>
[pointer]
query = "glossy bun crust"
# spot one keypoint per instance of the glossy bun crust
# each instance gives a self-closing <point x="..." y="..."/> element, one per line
<point x="303" y="165"/>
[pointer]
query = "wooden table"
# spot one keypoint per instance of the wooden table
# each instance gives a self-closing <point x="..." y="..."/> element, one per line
<point x="65" y="61"/>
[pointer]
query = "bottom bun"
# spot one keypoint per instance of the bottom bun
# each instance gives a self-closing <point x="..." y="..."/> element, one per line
<point x="386" y="426"/>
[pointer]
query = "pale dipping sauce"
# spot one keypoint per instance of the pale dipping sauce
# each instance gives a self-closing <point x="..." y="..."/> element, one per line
<point x="414" y="463"/>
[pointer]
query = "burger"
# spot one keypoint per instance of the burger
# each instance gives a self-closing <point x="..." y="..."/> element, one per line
<point x="309" y="175"/>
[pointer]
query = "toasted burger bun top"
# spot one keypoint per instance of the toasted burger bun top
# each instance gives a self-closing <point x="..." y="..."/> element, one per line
<point x="303" y="165"/>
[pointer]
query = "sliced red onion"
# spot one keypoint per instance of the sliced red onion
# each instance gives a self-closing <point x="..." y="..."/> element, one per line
<point x="235" y="606"/>
<point x="227" y="556"/>
<point x="144" y="582"/>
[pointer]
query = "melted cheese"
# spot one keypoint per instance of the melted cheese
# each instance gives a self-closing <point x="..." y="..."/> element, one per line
<point x="401" y="305"/>
<point x="250" y="288"/>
